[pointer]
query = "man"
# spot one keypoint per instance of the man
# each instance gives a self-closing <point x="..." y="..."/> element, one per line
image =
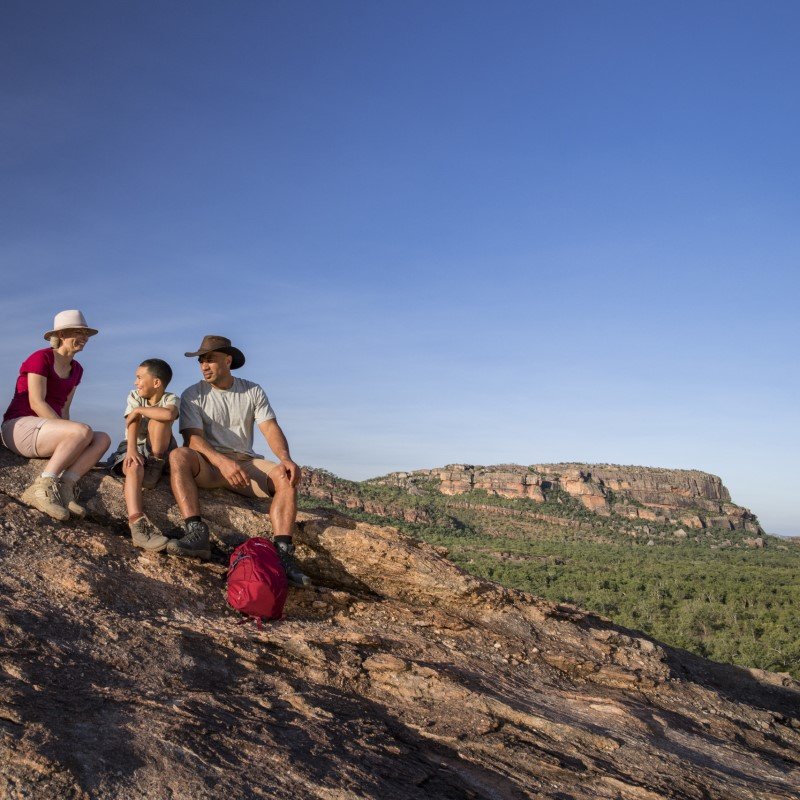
<point x="217" y="417"/>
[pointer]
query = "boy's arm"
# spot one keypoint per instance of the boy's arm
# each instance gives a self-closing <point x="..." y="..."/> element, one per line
<point x="132" y="456"/>
<point x="158" y="413"/>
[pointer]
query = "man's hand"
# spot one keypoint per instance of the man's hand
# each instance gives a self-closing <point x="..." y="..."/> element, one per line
<point x="133" y="458"/>
<point x="293" y="472"/>
<point x="233" y="473"/>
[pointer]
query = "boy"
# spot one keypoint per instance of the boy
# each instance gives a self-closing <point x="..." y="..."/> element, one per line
<point x="149" y="415"/>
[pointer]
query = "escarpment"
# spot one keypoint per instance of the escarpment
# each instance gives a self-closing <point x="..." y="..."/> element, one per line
<point x="124" y="675"/>
<point x="688" y="498"/>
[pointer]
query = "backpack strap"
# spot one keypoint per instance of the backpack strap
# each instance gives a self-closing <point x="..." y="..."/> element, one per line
<point x="233" y="566"/>
<point x="245" y="619"/>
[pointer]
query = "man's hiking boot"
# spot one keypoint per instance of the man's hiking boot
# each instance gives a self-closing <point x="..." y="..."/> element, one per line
<point x="44" y="494"/>
<point x="294" y="574"/>
<point x="69" y="494"/>
<point x="145" y="535"/>
<point x="153" y="467"/>
<point x="194" y="544"/>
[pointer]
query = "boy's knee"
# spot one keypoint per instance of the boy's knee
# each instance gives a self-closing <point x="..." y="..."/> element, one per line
<point x="135" y="471"/>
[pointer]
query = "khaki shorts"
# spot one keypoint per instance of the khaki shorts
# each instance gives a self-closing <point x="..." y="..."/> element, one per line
<point x="20" y="435"/>
<point x="256" y="469"/>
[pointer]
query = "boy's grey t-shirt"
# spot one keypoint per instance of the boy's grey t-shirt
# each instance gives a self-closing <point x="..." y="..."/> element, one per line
<point x="135" y="400"/>
<point x="227" y="417"/>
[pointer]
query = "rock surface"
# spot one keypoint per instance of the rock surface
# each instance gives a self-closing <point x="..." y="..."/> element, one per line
<point x="688" y="497"/>
<point x="124" y="675"/>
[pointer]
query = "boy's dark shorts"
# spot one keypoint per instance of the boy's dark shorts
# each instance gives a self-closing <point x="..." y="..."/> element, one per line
<point x="114" y="461"/>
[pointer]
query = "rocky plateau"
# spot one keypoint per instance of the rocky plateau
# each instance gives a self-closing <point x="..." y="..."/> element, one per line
<point x="688" y="498"/>
<point x="125" y="675"/>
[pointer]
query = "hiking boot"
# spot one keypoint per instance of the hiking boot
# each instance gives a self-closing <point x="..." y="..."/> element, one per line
<point x="175" y="532"/>
<point x="294" y="574"/>
<point x="44" y="494"/>
<point x="153" y="467"/>
<point x="69" y="495"/>
<point x="147" y="536"/>
<point x="194" y="544"/>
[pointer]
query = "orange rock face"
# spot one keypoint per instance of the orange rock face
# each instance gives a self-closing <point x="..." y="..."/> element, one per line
<point x="692" y="498"/>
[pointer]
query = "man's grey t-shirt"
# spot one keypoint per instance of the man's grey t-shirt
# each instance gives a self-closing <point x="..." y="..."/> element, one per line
<point x="227" y="417"/>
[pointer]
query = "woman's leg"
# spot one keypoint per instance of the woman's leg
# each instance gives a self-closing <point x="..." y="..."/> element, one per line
<point x="62" y="441"/>
<point x="92" y="454"/>
<point x="70" y="446"/>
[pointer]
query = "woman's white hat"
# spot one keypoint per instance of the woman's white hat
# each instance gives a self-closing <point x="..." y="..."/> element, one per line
<point x="69" y="319"/>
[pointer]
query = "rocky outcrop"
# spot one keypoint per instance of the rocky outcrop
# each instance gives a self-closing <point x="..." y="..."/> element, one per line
<point x="124" y="675"/>
<point x="322" y="485"/>
<point x="685" y="497"/>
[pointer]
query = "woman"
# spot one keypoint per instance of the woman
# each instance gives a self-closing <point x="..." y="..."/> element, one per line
<point x="37" y="423"/>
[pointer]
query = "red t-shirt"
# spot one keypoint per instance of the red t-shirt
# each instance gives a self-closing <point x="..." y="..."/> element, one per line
<point x="42" y="362"/>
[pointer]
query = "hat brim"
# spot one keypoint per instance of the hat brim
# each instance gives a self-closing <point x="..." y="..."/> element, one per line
<point x="234" y="352"/>
<point x="87" y="331"/>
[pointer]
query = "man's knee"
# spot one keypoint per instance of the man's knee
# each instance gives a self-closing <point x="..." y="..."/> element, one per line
<point x="279" y="484"/>
<point x="183" y="460"/>
<point x="102" y="439"/>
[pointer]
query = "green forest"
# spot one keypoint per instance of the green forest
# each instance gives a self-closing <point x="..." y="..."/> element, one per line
<point x="729" y="603"/>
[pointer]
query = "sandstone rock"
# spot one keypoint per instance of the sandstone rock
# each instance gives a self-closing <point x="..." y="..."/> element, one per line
<point x="757" y="542"/>
<point x="686" y="495"/>
<point x="579" y="484"/>
<point x="124" y="675"/>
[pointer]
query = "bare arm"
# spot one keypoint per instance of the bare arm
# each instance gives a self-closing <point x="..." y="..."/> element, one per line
<point x="65" y="412"/>
<point x="278" y="444"/>
<point x="37" y="391"/>
<point x="132" y="456"/>
<point x="158" y="413"/>
<point x="231" y="471"/>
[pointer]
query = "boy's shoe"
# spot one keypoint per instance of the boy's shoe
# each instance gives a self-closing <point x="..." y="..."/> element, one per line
<point x="44" y="494"/>
<point x="145" y="535"/>
<point x="153" y="467"/>
<point x="194" y="543"/>
<point x="69" y="495"/>
<point x="294" y="574"/>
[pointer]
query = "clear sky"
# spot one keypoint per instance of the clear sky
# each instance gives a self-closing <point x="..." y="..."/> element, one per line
<point x="480" y="232"/>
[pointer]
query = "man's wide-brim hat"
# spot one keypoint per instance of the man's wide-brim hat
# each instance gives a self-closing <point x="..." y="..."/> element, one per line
<point x="66" y="320"/>
<point x="219" y="344"/>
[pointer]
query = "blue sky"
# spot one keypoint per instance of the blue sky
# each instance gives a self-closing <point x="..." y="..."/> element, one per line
<point x="441" y="232"/>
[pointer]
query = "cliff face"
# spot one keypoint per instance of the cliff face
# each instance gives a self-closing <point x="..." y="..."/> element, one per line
<point x="687" y="497"/>
<point x="124" y="675"/>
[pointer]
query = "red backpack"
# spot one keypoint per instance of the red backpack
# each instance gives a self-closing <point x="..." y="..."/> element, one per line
<point x="257" y="585"/>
